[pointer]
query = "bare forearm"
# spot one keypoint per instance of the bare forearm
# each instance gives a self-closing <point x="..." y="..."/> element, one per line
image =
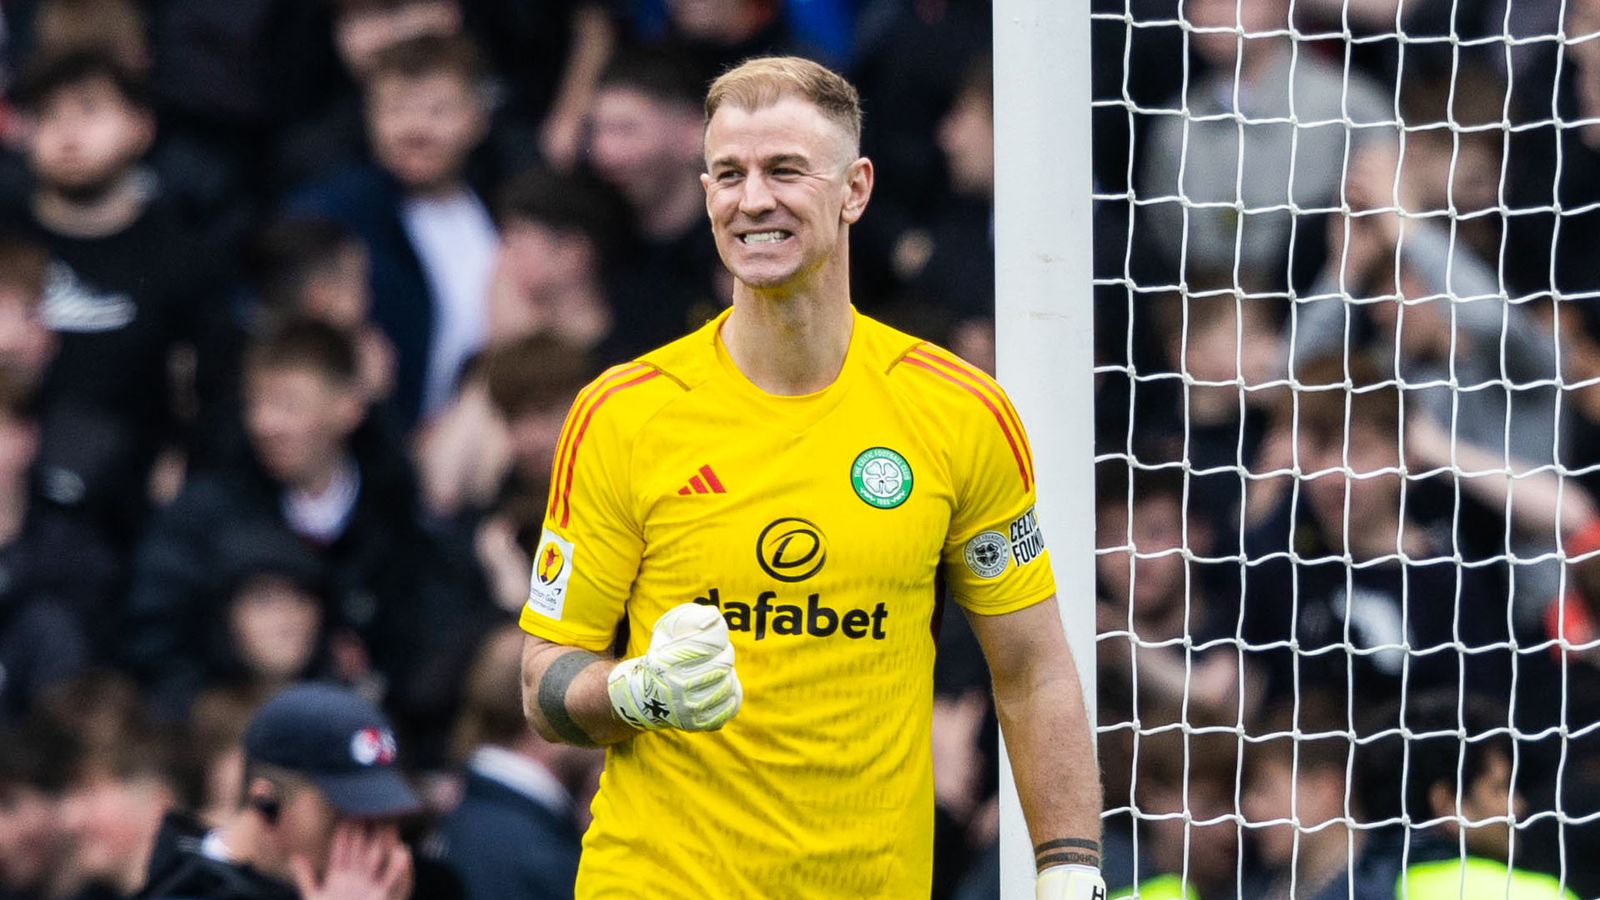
<point x="564" y="695"/>
<point x="1052" y="757"/>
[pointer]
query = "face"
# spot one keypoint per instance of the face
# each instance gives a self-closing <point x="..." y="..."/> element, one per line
<point x="424" y="127"/>
<point x="1157" y="526"/>
<point x="1318" y="798"/>
<point x="641" y="145"/>
<point x="534" y="434"/>
<point x="782" y="188"/>
<point x="339" y="294"/>
<point x="112" y="822"/>
<point x="1485" y="798"/>
<point x="307" y="823"/>
<point x="544" y="259"/>
<point x="32" y="839"/>
<point x="26" y="344"/>
<point x="361" y="36"/>
<point x="298" y="421"/>
<point x="86" y="136"/>
<point x="966" y="135"/>
<point x="1372" y="499"/>
<point x="1254" y="16"/>
<point x="275" y="624"/>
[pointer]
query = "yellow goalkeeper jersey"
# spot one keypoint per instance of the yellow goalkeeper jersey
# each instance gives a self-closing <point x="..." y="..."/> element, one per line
<point x="817" y="525"/>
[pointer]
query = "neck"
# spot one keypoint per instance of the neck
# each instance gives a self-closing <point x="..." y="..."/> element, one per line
<point x="96" y="214"/>
<point x="683" y="208"/>
<point x="1259" y="58"/>
<point x="1371" y="538"/>
<point x="1164" y="625"/>
<point x="438" y="190"/>
<point x="789" y="343"/>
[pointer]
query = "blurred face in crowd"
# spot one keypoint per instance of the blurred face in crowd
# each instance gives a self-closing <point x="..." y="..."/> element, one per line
<point x="720" y="21"/>
<point x="424" y="127"/>
<point x="1211" y="848"/>
<point x="1157" y="526"/>
<point x="1254" y="16"/>
<point x="1318" y="797"/>
<point x="305" y="826"/>
<point x="1484" y="798"/>
<point x="642" y="145"/>
<point x="275" y="624"/>
<point x="361" y="36"/>
<point x="966" y="135"/>
<point x="543" y="258"/>
<point x="299" y="420"/>
<point x="26" y="343"/>
<point x="1373" y="498"/>
<point x="32" y="840"/>
<point x="782" y="188"/>
<point x="535" y="432"/>
<point x="113" y="822"/>
<point x="339" y="294"/>
<point x="85" y="137"/>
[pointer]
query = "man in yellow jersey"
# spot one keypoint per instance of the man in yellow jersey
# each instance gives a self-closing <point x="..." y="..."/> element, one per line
<point x="759" y="511"/>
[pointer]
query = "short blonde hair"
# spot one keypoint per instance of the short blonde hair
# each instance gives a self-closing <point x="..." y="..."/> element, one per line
<point x="764" y="80"/>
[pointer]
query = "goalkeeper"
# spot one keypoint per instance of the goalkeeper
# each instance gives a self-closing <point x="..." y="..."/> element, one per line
<point x="757" y="514"/>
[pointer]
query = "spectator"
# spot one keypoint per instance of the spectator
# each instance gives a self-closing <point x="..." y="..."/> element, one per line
<point x="112" y="812"/>
<point x="1461" y="791"/>
<point x="555" y="237"/>
<point x="55" y="575"/>
<point x="333" y="135"/>
<point x="1334" y="111"/>
<point x="515" y="835"/>
<point x="430" y="237"/>
<point x="318" y="269"/>
<point x="125" y="294"/>
<point x="35" y="765"/>
<point x="1429" y="310"/>
<point x="315" y="472"/>
<point x="215" y="735"/>
<point x="646" y="143"/>
<point x="274" y="630"/>
<point x="1185" y="791"/>
<point x="1296" y="790"/>
<point x="323" y="799"/>
<point x="1153" y="601"/>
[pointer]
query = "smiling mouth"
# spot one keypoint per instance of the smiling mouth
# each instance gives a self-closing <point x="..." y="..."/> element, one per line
<point x="763" y="237"/>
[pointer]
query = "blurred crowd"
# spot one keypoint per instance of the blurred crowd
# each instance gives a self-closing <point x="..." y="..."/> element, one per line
<point x="1348" y="340"/>
<point x="294" y="295"/>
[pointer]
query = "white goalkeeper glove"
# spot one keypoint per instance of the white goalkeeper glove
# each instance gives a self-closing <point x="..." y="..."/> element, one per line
<point x="1070" y="882"/>
<point x="685" y="680"/>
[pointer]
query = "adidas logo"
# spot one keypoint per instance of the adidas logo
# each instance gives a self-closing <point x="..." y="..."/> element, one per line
<point x="704" y="483"/>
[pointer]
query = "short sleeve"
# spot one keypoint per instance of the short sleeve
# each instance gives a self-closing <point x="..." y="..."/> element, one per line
<point x="591" y="545"/>
<point x="994" y="556"/>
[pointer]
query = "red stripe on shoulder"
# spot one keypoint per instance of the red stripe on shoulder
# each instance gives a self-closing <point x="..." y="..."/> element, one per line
<point x="992" y="387"/>
<point x="574" y="416"/>
<point x="577" y="440"/>
<point x="919" y="361"/>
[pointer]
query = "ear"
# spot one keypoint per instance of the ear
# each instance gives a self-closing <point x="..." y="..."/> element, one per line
<point x="145" y="121"/>
<point x="858" y="181"/>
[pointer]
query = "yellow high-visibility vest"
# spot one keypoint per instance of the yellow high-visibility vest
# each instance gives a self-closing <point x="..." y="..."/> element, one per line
<point x="1161" y="887"/>
<point x="1474" y="878"/>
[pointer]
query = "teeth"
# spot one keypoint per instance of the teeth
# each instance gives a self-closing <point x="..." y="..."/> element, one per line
<point x="765" y="237"/>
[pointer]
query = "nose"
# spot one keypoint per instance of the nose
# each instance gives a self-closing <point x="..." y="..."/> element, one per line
<point x="756" y="199"/>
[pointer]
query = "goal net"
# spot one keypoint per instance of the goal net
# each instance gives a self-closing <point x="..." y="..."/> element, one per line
<point x="1347" y="286"/>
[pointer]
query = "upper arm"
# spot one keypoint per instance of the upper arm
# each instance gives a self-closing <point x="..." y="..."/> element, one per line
<point x="593" y="542"/>
<point x="1023" y="646"/>
<point x="993" y="555"/>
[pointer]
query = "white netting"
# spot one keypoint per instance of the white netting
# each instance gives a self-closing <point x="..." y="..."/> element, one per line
<point x="1348" y="433"/>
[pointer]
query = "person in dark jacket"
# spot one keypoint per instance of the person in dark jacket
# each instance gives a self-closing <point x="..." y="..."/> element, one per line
<point x="515" y="835"/>
<point x="316" y="472"/>
<point x="430" y="237"/>
<point x="323" y="799"/>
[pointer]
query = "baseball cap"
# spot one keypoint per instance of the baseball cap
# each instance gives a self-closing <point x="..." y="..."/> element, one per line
<point x="340" y="742"/>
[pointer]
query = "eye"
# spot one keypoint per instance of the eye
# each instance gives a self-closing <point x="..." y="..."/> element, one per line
<point x="785" y="172"/>
<point x="727" y="175"/>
